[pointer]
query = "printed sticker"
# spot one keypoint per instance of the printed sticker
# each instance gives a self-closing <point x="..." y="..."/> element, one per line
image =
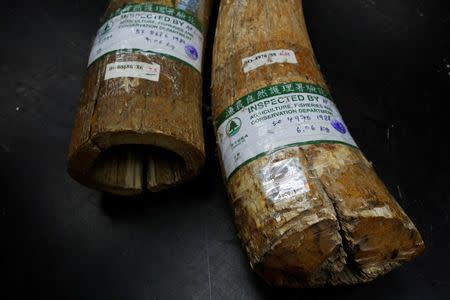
<point x="133" y="69"/>
<point x="267" y="58"/>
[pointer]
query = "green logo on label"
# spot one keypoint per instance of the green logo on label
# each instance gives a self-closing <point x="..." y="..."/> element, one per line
<point x="107" y="28"/>
<point x="233" y="126"/>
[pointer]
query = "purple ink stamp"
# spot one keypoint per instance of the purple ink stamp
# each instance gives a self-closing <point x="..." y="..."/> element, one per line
<point x="191" y="52"/>
<point x="339" y="126"/>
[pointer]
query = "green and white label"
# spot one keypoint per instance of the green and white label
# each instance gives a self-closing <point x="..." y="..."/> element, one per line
<point x="151" y="28"/>
<point x="278" y="117"/>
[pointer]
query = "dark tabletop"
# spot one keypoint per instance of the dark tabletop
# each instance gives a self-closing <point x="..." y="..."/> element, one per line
<point x="388" y="65"/>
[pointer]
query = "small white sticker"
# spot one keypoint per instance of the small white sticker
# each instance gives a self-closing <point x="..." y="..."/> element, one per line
<point x="133" y="69"/>
<point x="283" y="180"/>
<point x="267" y="58"/>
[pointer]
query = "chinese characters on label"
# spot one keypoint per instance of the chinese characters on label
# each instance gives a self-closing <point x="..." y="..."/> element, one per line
<point x="151" y="28"/>
<point x="277" y="117"/>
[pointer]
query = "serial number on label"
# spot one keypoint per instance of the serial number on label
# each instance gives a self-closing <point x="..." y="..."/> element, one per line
<point x="133" y="69"/>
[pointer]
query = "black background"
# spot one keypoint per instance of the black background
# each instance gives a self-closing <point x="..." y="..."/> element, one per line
<point x="388" y="65"/>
